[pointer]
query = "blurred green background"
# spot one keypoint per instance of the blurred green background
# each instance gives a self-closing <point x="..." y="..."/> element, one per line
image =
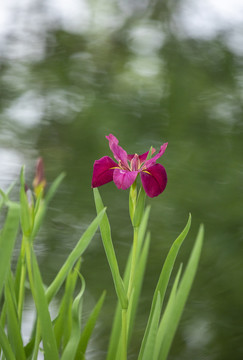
<point x="147" y="71"/>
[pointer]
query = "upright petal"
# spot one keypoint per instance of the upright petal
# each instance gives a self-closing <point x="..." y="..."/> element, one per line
<point x="103" y="171"/>
<point x="118" y="152"/>
<point x="142" y="157"/>
<point x="123" y="178"/>
<point x="153" y="160"/>
<point x="135" y="163"/>
<point x="154" y="180"/>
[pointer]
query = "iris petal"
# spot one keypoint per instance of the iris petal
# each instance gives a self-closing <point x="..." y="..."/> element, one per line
<point x="154" y="180"/>
<point x="123" y="178"/>
<point x="103" y="171"/>
<point x="118" y="152"/>
<point x="142" y="157"/>
<point x="152" y="161"/>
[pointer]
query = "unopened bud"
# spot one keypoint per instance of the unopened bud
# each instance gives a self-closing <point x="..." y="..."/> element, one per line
<point x="39" y="182"/>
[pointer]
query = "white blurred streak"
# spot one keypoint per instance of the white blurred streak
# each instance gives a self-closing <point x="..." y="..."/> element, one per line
<point x="27" y="110"/>
<point x="24" y="24"/>
<point x="10" y="165"/>
<point x="71" y="15"/>
<point x="145" y="38"/>
<point x="207" y="18"/>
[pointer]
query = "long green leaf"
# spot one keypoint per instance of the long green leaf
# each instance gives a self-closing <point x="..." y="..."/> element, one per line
<point x="138" y="282"/>
<point x="63" y="323"/>
<point x="166" y="316"/>
<point x="13" y="323"/>
<point x="88" y="329"/>
<point x="110" y="252"/>
<point x="42" y="206"/>
<point x="5" y="345"/>
<point x="165" y="276"/>
<point x="170" y="260"/>
<point x="7" y="240"/>
<point x="73" y="257"/>
<point x="72" y="345"/>
<point x="119" y="343"/>
<point x="54" y="186"/>
<point x="182" y="295"/>
<point x="26" y="215"/>
<point x="67" y="266"/>
<point x="4" y="199"/>
<point x="116" y="326"/>
<point x="114" y="345"/>
<point x="133" y="301"/>
<point x="47" y="333"/>
<point x="150" y="342"/>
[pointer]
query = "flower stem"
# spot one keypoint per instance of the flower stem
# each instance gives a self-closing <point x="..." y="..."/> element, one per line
<point x="22" y="280"/>
<point x="28" y="246"/>
<point x="37" y="341"/>
<point x="124" y="334"/>
<point x="133" y="261"/>
<point x="132" y="200"/>
<point x="29" y="266"/>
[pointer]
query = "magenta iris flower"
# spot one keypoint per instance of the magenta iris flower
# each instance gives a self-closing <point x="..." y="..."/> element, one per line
<point x="125" y="172"/>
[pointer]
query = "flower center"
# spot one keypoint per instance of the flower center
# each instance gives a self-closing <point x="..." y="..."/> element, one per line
<point x="123" y="166"/>
<point x="135" y="163"/>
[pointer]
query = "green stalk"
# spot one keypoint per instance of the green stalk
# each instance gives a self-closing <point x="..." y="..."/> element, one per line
<point x="133" y="261"/>
<point x="37" y="341"/>
<point x="132" y="200"/>
<point x="22" y="280"/>
<point x="124" y="334"/>
<point x="31" y="280"/>
<point x="29" y="265"/>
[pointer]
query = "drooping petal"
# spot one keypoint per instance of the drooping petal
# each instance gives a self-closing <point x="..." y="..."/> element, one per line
<point x="154" y="180"/>
<point x="103" y="171"/>
<point x="123" y="178"/>
<point x="118" y="152"/>
<point x="142" y="157"/>
<point x="153" y="160"/>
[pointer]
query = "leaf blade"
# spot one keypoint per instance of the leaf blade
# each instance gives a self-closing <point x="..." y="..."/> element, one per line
<point x="75" y="254"/>
<point x="47" y="333"/>
<point x="110" y="252"/>
<point x="13" y="323"/>
<point x="88" y="329"/>
<point x="6" y="348"/>
<point x="7" y="241"/>
<point x="149" y="346"/>
<point x="182" y="294"/>
<point x="72" y="345"/>
<point x="165" y="276"/>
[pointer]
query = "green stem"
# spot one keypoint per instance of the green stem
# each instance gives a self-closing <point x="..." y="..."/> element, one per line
<point x="133" y="261"/>
<point x="132" y="200"/>
<point x="29" y="266"/>
<point x="28" y="245"/>
<point x="22" y="280"/>
<point x="124" y="334"/>
<point x="37" y="341"/>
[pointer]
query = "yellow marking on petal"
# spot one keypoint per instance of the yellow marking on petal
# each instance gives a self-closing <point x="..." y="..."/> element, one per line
<point x="146" y="171"/>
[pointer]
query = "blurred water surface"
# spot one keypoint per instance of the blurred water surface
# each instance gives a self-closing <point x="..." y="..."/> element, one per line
<point x="149" y="71"/>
